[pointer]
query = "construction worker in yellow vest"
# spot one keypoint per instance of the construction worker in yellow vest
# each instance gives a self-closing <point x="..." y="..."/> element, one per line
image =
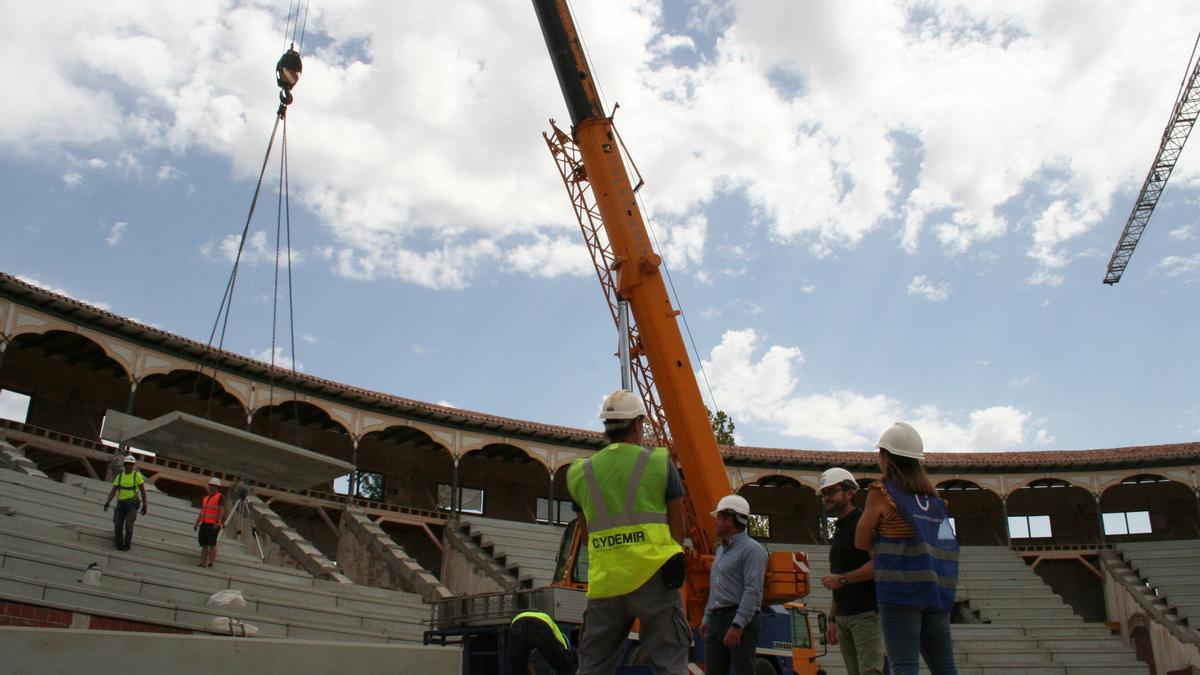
<point x="631" y="511"/>
<point x="126" y="487"/>
<point x="536" y="631"/>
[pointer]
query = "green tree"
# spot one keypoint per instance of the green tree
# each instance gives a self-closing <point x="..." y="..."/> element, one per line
<point x="370" y="486"/>
<point x="722" y="426"/>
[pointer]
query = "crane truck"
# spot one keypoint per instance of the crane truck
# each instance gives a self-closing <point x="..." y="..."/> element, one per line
<point x="596" y="173"/>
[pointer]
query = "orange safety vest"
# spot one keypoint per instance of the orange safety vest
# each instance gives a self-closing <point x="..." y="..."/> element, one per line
<point x="210" y="509"/>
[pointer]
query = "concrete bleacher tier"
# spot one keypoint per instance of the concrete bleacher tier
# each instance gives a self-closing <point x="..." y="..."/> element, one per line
<point x="529" y="550"/>
<point x="53" y="531"/>
<point x="1172" y="569"/>
<point x="1024" y="626"/>
<point x="1028" y="628"/>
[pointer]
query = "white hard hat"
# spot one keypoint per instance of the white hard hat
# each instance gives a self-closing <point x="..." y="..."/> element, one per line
<point x="735" y="503"/>
<point x="129" y="459"/>
<point x="622" y="404"/>
<point x="836" y="476"/>
<point x="902" y="440"/>
<point x="214" y="481"/>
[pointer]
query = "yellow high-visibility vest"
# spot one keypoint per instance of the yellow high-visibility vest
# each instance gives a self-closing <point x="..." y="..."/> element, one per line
<point x="127" y="484"/>
<point x="622" y="491"/>
<point x="548" y="621"/>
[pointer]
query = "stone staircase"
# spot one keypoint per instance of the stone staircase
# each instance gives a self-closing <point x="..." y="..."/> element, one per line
<point x="1171" y="572"/>
<point x="1024" y="628"/>
<point x="526" y="551"/>
<point x="53" y="531"/>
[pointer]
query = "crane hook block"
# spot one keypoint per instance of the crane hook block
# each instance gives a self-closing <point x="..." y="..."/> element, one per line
<point x="287" y="74"/>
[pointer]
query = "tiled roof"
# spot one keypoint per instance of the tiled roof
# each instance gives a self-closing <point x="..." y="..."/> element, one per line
<point x="1147" y="455"/>
<point x="74" y="310"/>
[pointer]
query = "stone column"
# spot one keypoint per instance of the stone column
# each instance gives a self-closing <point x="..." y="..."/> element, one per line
<point x="551" y="510"/>
<point x="133" y="383"/>
<point x="354" y="461"/>
<point x="1004" y="513"/>
<point x="454" y="490"/>
<point x="3" y="348"/>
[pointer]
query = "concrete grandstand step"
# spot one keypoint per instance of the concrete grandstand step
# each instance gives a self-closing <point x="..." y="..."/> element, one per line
<point x="1026" y="615"/>
<point x="48" y="542"/>
<point x="71" y="564"/>
<point x="55" y="514"/>
<point x="78" y="499"/>
<point x="95" y="486"/>
<point x="29" y="650"/>
<point x="147" y="528"/>
<point x="89" y="599"/>
<point x="528" y="550"/>
<point x="1033" y="602"/>
<point x="178" y="593"/>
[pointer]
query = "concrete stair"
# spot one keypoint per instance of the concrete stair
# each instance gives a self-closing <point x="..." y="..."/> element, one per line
<point x="1025" y="628"/>
<point x="54" y="531"/>
<point x="54" y="650"/>
<point x="380" y="546"/>
<point x="528" y="551"/>
<point x="1171" y="569"/>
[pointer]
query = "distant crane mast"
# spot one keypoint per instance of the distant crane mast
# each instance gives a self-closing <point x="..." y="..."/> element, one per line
<point x="1183" y="118"/>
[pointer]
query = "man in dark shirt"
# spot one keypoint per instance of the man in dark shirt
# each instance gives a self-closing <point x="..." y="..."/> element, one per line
<point x="853" y="619"/>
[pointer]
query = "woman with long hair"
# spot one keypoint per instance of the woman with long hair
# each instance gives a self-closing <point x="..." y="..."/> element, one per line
<point x="906" y="527"/>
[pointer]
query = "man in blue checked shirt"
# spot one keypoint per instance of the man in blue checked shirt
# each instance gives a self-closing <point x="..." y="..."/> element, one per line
<point x="735" y="591"/>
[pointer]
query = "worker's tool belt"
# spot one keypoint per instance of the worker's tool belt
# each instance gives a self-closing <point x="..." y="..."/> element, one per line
<point x="674" y="571"/>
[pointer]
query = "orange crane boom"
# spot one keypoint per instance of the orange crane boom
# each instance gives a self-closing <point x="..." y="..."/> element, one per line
<point x="594" y="170"/>
<point x="639" y="277"/>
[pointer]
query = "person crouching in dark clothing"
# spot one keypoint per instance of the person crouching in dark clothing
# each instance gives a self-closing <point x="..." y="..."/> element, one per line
<point x="535" y="631"/>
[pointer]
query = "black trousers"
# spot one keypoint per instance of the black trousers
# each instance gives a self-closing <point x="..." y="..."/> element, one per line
<point x="123" y="517"/>
<point x="526" y="635"/>
<point x="722" y="660"/>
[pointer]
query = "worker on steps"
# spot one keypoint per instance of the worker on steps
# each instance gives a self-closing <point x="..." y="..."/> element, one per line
<point x="126" y="487"/>
<point x="630" y="500"/>
<point x="212" y="515"/>
<point x="536" y="631"/>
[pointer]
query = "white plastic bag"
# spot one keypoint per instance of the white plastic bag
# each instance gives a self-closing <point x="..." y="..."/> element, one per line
<point x="91" y="576"/>
<point x="227" y="598"/>
<point x="229" y="626"/>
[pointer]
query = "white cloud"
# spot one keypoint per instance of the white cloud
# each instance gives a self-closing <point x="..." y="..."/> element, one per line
<point x="166" y="172"/>
<point x="761" y="388"/>
<point x="930" y="290"/>
<point x="1184" y="233"/>
<point x="72" y="179"/>
<point x="1021" y="381"/>
<point x="405" y="189"/>
<point x="1175" y="266"/>
<point x="310" y="338"/>
<point x="116" y="233"/>
<point x="256" y="250"/>
<point x="34" y="281"/>
<point x="1043" y="439"/>
<point x="807" y="289"/>
<point x="281" y="360"/>
<point x="547" y="257"/>
<point x="1062" y="221"/>
<point x="710" y="313"/>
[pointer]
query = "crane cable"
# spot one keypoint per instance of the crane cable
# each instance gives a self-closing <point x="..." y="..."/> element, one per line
<point x="287" y="75"/>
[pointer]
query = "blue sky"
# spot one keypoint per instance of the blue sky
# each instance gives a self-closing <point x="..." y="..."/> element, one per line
<point x="871" y="214"/>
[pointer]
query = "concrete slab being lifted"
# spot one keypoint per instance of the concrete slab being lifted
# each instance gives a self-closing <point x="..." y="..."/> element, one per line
<point x="210" y="444"/>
